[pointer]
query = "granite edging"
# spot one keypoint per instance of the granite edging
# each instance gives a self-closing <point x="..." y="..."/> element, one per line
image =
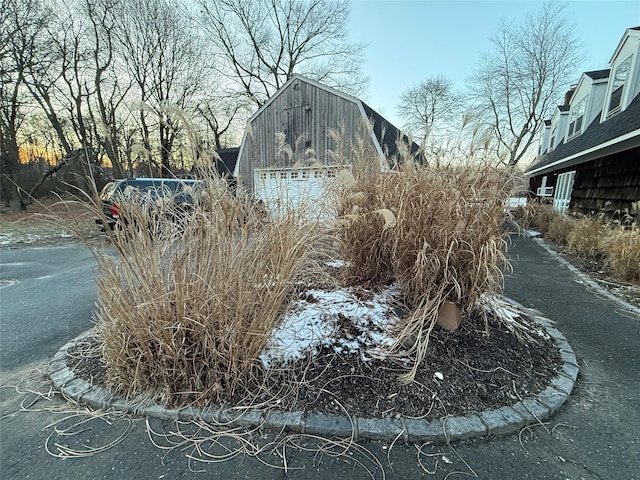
<point x="499" y="421"/>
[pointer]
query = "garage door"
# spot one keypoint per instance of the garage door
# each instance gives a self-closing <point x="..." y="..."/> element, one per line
<point x="307" y="189"/>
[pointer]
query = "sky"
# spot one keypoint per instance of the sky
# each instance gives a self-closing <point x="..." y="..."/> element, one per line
<point x="409" y="41"/>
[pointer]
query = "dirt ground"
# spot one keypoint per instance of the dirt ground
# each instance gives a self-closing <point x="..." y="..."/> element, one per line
<point x="468" y="370"/>
<point x="47" y="222"/>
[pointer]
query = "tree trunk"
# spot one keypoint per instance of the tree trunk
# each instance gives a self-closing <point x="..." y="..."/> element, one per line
<point x="10" y="160"/>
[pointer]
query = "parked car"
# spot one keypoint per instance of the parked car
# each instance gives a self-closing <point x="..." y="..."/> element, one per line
<point x="179" y="191"/>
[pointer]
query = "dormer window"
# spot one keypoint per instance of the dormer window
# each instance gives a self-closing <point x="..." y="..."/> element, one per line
<point x="617" y="87"/>
<point x="554" y="131"/>
<point x="577" y="117"/>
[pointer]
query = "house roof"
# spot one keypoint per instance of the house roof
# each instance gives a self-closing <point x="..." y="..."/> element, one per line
<point x="386" y="133"/>
<point x="598" y="74"/>
<point x="622" y="129"/>
<point x="227" y="161"/>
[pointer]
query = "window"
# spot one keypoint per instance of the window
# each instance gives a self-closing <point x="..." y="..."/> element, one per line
<point x="294" y="175"/>
<point x="283" y="175"/>
<point x="554" y="131"/>
<point x="617" y="87"/>
<point x="577" y="117"/>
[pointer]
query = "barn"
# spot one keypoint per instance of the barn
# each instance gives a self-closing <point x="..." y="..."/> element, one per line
<point x="589" y="158"/>
<point x="289" y="152"/>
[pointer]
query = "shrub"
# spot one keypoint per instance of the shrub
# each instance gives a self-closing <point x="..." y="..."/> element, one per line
<point x="559" y="229"/>
<point x="541" y="217"/>
<point x="621" y="249"/>
<point x="187" y="305"/>
<point x="584" y="238"/>
<point x="434" y="230"/>
<point x="521" y="214"/>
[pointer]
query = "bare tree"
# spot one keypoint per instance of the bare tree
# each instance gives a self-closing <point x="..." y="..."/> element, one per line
<point x="164" y="59"/>
<point x="108" y="86"/>
<point x="265" y="42"/>
<point x="220" y="114"/>
<point x="429" y="106"/>
<point x="22" y="24"/>
<point x="517" y="84"/>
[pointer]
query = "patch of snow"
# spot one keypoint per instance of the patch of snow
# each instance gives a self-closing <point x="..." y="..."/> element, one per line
<point x="438" y="376"/>
<point x="336" y="264"/>
<point x="6" y="238"/>
<point x="533" y="233"/>
<point x="8" y="282"/>
<point x="508" y="313"/>
<point x="502" y="309"/>
<point x="355" y="321"/>
<point x="11" y="239"/>
<point x="314" y="321"/>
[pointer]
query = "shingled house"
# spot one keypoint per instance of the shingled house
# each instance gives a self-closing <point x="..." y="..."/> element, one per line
<point x="589" y="159"/>
<point x="288" y="151"/>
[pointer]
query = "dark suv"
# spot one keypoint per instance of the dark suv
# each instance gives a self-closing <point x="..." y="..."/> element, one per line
<point x="180" y="191"/>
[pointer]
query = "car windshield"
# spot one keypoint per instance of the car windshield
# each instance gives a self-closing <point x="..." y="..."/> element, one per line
<point x="159" y="188"/>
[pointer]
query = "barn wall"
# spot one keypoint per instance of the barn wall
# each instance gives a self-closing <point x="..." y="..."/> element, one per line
<point x="304" y="113"/>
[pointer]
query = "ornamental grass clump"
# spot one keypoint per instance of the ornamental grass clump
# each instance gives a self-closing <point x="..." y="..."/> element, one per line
<point x="186" y="306"/>
<point x="541" y="216"/>
<point x="584" y="238"/>
<point x="621" y="247"/>
<point x="560" y="228"/>
<point x="436" y="231"/>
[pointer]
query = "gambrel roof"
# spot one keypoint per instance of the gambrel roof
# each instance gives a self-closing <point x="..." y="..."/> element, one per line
<point x="385" y="135"/>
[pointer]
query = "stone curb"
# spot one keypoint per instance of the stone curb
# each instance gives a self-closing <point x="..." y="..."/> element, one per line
<point x="500" y="421"/>
<point x="585" y="278"/>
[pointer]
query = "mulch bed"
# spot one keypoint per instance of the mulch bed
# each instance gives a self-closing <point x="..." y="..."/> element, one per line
<point x="465" y="371"/>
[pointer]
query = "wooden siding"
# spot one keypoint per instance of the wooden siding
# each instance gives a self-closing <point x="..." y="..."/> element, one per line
<point x="305" y="114"/>
<point x="607" y="184"/>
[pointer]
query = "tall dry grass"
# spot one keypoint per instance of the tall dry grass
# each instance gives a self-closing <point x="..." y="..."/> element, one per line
<point x="187" y="305"/>
<point x="615" y="239"/>
<point x="559" y="228"/>
<point x="584" y="238"/>
<point x="436" y="231"/>
<point x="540" y="216"/>
<point x="621" y="249"/>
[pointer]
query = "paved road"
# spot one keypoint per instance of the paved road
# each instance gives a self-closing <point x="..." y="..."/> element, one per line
<point x="594" y="436"/>
<point x="49" y="303"/>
